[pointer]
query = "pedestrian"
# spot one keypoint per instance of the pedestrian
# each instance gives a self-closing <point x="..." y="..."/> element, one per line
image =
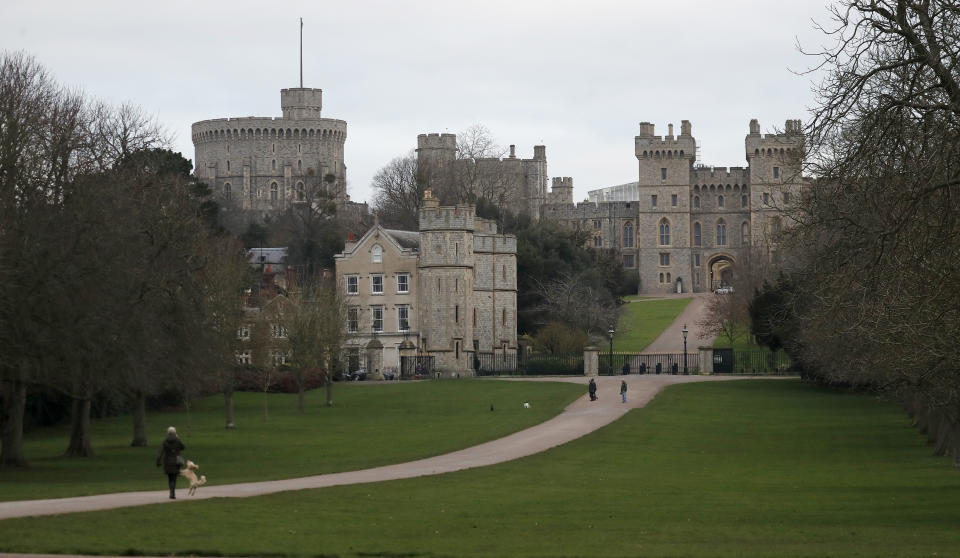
<point x="171" y="460"/>
<point x="626" y="368"/>
<point x="623" y="390"/>
<point x="592" y="388"/>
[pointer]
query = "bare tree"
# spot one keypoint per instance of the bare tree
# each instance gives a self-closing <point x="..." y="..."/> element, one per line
<point x="399" y="192"/>
<point x="319" y="329"/>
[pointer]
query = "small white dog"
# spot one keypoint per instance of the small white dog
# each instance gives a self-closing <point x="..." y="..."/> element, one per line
<point x="188" y="473"/>
<point x="526" y="405"/>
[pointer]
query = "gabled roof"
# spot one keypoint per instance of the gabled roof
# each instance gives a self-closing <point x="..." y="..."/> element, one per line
<point x="406" y="239"/>
<point x="403" y="241"/>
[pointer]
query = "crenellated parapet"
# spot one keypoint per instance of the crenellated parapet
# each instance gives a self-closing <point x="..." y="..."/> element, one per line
<point x="254" y="128"/>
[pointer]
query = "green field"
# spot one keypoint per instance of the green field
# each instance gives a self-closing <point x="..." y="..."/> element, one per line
<point x="371" y="424"/>
<point x="641" y="323"/>
<point x="746" y="468"/>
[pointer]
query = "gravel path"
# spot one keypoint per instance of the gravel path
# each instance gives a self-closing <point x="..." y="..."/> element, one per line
<point x="579" y="418"/>
<point x="671" y="340"/>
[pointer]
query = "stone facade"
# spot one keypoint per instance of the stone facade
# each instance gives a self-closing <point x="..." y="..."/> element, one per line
<point x="461" y="295"/>
<point x="264" y="165"/>
<point x="520" y="184"/>
<point x="689" y="223"/>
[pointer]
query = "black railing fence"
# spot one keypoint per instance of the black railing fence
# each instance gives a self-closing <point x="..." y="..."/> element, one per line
<point x="647" y="363"/>
<point x="529" y="364"/>
<point x="726" y="361"/>
<point x="416" y="367"/>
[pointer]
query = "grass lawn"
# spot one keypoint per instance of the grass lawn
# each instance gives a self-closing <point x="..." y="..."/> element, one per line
<point x="747" y="468"/>
<point x="641" y="323"/>
<point x="371" y="424"/>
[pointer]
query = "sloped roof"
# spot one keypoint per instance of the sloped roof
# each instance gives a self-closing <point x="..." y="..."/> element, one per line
<point x="406" y="239"/>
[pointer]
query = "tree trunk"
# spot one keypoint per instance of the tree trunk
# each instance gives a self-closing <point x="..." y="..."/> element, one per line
<point x="139" y="420"/>
<point x="299" y="377"/>
<point x="228" y="408"/>
<point x="80" y="430"/>
<point x="14" y="400"/>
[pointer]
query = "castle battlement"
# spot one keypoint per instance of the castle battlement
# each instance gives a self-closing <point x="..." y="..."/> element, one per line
<point x="437" y="141"/>
<point x="268" y="128"/>
<point x="495" y="244"/>
<point x="433" y="217"/>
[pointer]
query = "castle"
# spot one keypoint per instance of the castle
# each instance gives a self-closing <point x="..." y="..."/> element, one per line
<point x="263" y="165"/>
<point x="682" y="226"/>
<point x="447" y="291"/>
<point x="520" y="184"/>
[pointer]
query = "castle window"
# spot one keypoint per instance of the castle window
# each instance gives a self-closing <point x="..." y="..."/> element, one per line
<point x="274" y="191"/>
<point x="300" y="165"/>
<point x="228" y="166"/>
<point x="243" y="332"/>
<point x="503" y="317"/>
<point x="719" y="201"/>
<point x="766" y="198"/>
<point x="278" y="332"/>
<point x="745" y="233"/>
<point x="663" y="173"/>
<point x="664" y="258"/>
<point x="457" y="349"/>
<point x="721" y="233"/>
<point x="696" y="260"/>
<point x="403" y="283"/>
<point x="776" y="172"/>
<point x="474" y="317"/>
<point x="298" y="148"/>
<point x="628" y="260"/>
<point x="664" y="232"/>
<point x="273" y="147"/>
<point x="273" y="164"/>
<point x="504" y="270"/>
<point x="376" y="283"/>
<point x="653" y="200"/>
<point x="786" y="198"/>
<point x="598" y="241"/>
<point x="403" y="318"/>
<point x="673" y="200"/>
<point x="301" y="193"/>
<point x="438" y="285"/>
<point x="668" y="277"/>
<point x="377" y="325"/>
<point x="259" y="192"/>
<point x="696" y="202"/>
<point x="227" y="191"/>
<point x="353" y="284"/>
<point x="228" y="151"/>
<point x="743" y="201"/>
<point x="596" y="225"/>
<point x="628" y="235"/>
<point x="697" y="237"/>
<point x="353" y="319"/>
<point x="661" y="278"/>
<point x="376" y="254"/>
<point x="243" y="357"/>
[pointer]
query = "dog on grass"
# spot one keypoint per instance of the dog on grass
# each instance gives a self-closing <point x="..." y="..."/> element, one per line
<point x="189" y="473"/>
<point x="526" y="405"/>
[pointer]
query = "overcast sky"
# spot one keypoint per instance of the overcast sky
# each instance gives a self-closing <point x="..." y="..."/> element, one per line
<point x="575" y="76"/>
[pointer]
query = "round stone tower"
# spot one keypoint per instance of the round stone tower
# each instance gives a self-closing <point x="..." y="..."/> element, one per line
<point x="263" y="165"/>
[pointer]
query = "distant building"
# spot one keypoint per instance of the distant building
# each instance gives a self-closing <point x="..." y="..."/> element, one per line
<point x="682" y="226"/>
<point x="447" y="291"/>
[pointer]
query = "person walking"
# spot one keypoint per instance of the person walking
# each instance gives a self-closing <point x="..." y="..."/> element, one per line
<point x="169" y="457"/>
<point x="623" y="391"/>
<point x="592" y="389"/>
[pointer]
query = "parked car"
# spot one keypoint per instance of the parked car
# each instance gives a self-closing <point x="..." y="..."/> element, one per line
<point x="724" y="290"/>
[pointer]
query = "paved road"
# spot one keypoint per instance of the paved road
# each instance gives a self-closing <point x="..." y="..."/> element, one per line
<point x="671" y="340"/>
<point x="579" y="418"/>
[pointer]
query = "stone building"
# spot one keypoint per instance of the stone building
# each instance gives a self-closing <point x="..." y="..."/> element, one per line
<point x="263" y="165"/>
<point x="519" y="184"/>
<point x="682" y="226"/>
<point x="447" y="291"/>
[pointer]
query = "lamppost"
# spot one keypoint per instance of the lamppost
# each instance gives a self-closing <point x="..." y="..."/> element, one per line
<point x="685" y="332"/>
<point x="611" y="332"/>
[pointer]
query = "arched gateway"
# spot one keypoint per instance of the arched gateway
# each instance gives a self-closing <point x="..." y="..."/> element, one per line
<point x="721" y="271"/>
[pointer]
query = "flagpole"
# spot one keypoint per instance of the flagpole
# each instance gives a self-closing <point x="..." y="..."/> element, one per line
<point x="301" y="53"/>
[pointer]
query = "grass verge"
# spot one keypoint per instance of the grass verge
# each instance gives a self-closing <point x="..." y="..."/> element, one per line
<point x="641" y="323"/>
<point x="745" y="468"/>
<point x="371" y="424"/>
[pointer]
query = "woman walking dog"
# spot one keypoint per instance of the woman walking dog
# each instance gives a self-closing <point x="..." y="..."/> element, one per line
<point x="169" y="457"/>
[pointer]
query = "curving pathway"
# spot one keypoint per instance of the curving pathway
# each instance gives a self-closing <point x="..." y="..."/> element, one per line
<point x="577" y="419"/>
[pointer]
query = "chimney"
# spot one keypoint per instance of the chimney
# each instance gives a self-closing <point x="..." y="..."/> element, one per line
<point x="684" y="127"/>
<point x="513" y="151"/>
<point x="540" y="152"/>
<point x="670" y="130"/>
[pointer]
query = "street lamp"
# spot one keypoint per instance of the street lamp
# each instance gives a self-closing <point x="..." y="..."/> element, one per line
<point x="611" y="332"/>
<point x="685" y="332"/>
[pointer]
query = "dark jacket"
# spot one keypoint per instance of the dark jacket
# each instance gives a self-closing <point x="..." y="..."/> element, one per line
<point x="169" y="452"/>
<point x="623" y="387"/>
<point x="592" y="388"/>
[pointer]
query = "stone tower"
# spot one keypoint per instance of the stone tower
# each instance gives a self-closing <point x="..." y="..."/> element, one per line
<point x="263" y="165"/>
<point x="775" y="177"/>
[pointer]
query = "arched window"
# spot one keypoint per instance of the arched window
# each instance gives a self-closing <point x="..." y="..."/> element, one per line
<point x="719" y="201"/>
<point x="299" y="165"/>
<point x="628" y="235"/>
<point x="661" y="278"/>
<point x="721" y="233"/>
<point x="664" y="232"/>
<point x="376" y="254"/>
<point x="274" y="191"/>
<point x="227" y="191"/>
<point x="697" y="234"/>
<point x="668" y="278"/>
<point x="743" y="201"/>
<point x="696" y="202"/>
<point x="228" y="162"/>
<point x="273" y="164"/>
<point x="301" y="192"/>
<point x="745" y="233"/>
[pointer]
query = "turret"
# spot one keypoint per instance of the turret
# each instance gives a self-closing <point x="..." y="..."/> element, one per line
<point x="561" y="191"/>
<point x="301" y="103"/>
